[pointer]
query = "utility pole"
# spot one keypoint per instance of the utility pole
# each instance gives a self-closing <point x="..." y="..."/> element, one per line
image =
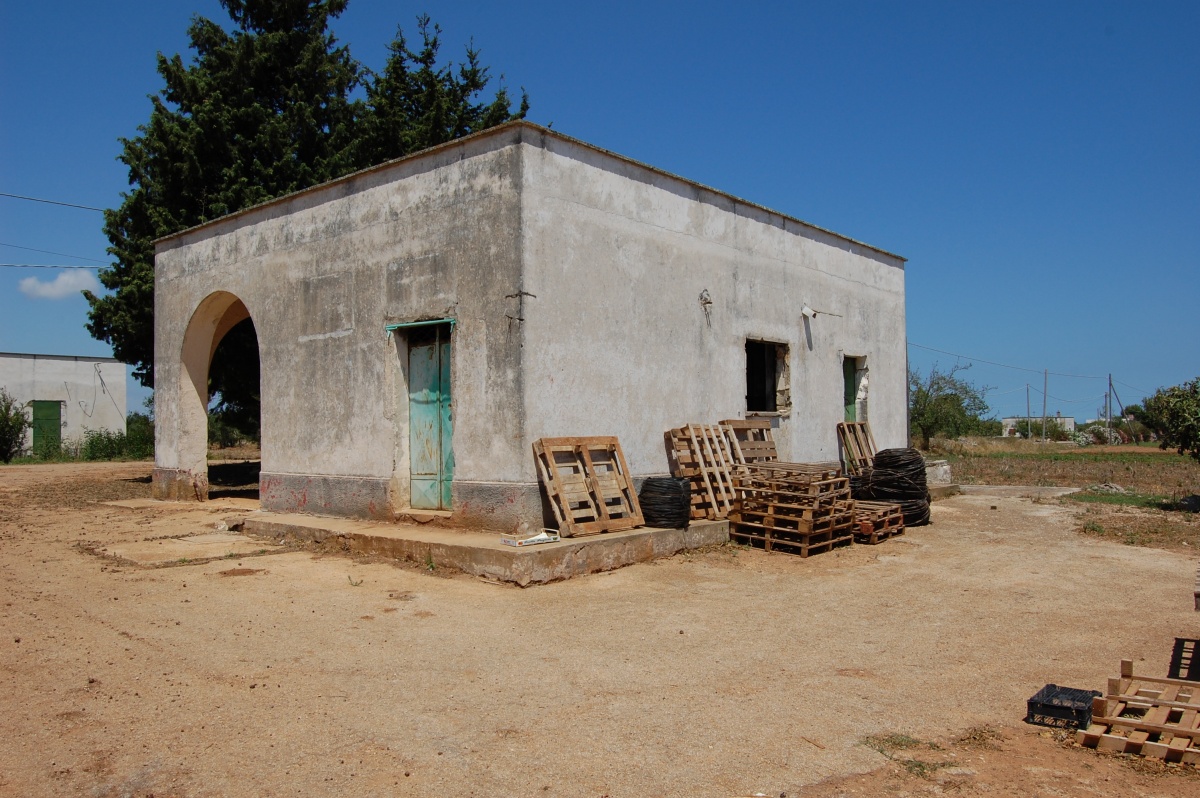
<point x="1108" y="412"/>
<point x="1028" y="415"/>
<point x="1045" y="390"/>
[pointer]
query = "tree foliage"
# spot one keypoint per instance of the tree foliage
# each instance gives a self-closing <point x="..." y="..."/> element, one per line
<point x="13" y="424"/>
<point x="1174" y="414"/>
<point x="261" y="110"/>
<point x="943" y="403"/>
<point x="415" y="103"/>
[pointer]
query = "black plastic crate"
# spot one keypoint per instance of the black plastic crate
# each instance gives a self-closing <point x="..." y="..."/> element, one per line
<point x="1061" y="707"/>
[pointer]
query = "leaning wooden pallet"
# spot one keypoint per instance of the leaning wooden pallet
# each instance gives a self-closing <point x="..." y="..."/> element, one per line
<point x="858" y="446"/>
<point x="1147" y="716"/>
<point x="752" y="443"/>
<point x="701" y="453"/>
<point x="751" y="439"/>
<point x="587" y="482"/>
<point x="877" y="521"/>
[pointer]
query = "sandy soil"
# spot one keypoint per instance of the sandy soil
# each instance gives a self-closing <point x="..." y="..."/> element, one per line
<point x="723" y="673"/>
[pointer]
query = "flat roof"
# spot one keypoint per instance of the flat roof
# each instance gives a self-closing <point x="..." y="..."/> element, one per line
<point x="545" y="131"/>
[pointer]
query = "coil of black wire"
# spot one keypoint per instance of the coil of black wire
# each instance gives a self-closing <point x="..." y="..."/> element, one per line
<point x="898" y="476"/>
<point x="666" y="501"/>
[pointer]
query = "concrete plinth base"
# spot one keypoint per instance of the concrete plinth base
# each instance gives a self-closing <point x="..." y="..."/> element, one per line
<point x="483" y="554"/>
<point x="174" y="484"/>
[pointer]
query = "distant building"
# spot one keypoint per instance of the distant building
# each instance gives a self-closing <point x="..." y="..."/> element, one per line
<point x="66" y="395"/>
<point x="1009" y="424"/>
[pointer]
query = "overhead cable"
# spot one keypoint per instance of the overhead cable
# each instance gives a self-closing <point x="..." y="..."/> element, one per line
<point x="52" y="202"/>
<point x="49" y="252"/>
<point x="1005" y="365"/>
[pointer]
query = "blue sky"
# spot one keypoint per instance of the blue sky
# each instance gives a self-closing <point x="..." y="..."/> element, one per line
<point x="1037" y="163"/>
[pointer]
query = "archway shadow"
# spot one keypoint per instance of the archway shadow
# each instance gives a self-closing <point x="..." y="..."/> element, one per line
<point x="234" y="480"/>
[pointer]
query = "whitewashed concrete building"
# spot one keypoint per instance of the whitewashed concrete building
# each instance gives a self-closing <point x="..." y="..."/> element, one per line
<point x="66" y="396"/>
<point x="422" y="322"/>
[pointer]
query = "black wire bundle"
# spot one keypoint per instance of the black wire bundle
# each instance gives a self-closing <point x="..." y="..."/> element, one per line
<point x="898" y="476"/>
<point x="666" y="501"/>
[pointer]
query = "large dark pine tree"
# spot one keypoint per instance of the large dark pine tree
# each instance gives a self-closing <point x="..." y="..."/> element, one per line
<point x="260" y="111"/>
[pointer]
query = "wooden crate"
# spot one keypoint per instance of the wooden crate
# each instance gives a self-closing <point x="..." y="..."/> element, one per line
<point x="876" y="521"/>
<point x="587" y="482"/>
<point x="1147" y="716"/>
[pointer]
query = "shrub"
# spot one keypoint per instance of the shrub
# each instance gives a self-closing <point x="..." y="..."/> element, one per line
<point x="139" y="436"/>
<point x="13" y="424"/>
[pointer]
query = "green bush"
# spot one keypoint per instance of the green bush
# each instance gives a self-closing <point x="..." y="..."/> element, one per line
<point x="13" y="423"/>
<point x="139" y="436"/>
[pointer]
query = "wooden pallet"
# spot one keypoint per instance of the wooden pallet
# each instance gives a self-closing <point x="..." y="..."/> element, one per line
<point x="793" y="484"/>
<point x="1147" y="716"/>
<point x="877" y="521"/>
<point x="751" y="439"/>
<point x="701" y="453"/>
<point x="858" y="446"/>
<point x="836" y="529"/>
<point x="587" y="482"/>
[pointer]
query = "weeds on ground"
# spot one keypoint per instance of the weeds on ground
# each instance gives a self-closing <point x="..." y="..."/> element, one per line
<point x="890" y="744"/>
<point x="1135" y="526"/>
<point x="1123" y="500"/>
<point x="982" y="737"/>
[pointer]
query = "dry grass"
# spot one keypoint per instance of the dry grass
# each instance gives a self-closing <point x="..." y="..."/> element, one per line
<point x="1146" y="516"/>
<point x="1135" y="526"/>
<point x="1144" y="469"/>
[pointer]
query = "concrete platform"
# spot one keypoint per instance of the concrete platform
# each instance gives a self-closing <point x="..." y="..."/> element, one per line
<point x="481" y="553"/>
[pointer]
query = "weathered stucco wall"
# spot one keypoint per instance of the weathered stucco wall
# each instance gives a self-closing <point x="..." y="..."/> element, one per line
<point x="321" y="274"/>
<point x="90" y="390"/>
<point x="619" y="342"/>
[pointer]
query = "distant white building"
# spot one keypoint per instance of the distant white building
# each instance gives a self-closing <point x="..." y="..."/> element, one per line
<point x="1009" y="424"/>
<point x="66" y="395"/>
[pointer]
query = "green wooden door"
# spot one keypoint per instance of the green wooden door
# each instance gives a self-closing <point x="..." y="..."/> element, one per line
<point x="430" y="417"/>
<point x="850" y="392"/>
<point x="47" y="425"/>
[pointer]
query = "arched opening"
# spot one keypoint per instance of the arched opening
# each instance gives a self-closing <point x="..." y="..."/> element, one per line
<point x="220" y="399"/>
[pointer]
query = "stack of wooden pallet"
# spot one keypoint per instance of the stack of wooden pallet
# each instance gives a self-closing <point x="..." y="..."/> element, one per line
<point x="792" y="510"/>
<point x="1147" y="716"/>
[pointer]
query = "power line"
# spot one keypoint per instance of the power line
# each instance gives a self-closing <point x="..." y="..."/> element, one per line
<point x="1005" y="365"/>
<point x="1127" y="385"/>
<point x="45" y="266"/>
<point x="48" y="252"/>
<point x="52" y="202"/>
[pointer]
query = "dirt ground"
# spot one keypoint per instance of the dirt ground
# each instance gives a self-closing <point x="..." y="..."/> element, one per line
<point x="899" y="669"/>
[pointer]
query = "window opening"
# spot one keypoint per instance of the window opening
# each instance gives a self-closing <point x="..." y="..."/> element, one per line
<point x="768" y="380"/>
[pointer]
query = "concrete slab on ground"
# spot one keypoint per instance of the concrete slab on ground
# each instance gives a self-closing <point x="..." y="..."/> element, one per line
<point x="481" y="553"/>
<point x="244" y="505"/>
<point x="1017" y="491"/>
<point x="191" y="549"/>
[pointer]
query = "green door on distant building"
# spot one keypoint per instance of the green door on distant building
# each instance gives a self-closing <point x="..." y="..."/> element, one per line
<point x="430" y="417"/>
<point x="47" y="424"/>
